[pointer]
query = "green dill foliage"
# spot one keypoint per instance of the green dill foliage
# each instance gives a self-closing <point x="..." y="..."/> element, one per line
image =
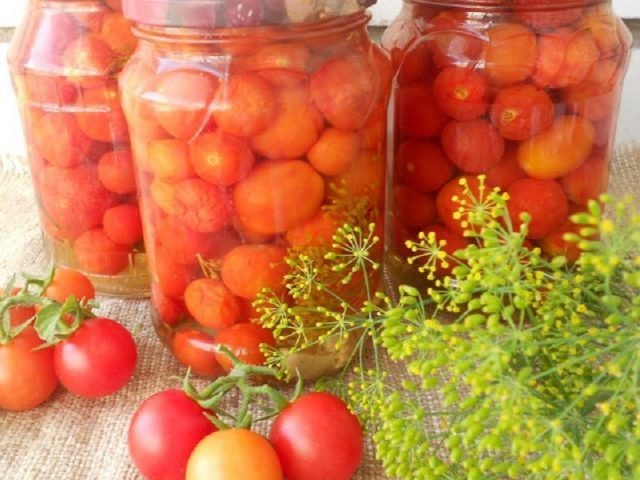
<point x="533" y="362"/>
<point x="536" y="360"/>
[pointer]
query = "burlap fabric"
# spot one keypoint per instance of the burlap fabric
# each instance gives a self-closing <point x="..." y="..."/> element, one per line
<point x="74" y="439"/>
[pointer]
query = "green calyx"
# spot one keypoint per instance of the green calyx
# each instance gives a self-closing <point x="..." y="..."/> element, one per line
<point x="243" y="380"/>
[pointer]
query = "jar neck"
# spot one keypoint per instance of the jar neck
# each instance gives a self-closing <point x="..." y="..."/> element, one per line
<point x="504" y="6"/>
<point x="250" y="35"/>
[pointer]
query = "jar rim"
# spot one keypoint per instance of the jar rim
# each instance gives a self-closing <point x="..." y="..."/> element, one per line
<point x="211" y="14"/>
<point x="504" y="5"/>
<point x="206" y="36"/>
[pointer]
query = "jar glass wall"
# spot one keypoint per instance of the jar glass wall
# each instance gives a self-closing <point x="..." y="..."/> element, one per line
<point x="250" y="143"/>
<point x="64" y="60"/>
<point x="525" y="93"/>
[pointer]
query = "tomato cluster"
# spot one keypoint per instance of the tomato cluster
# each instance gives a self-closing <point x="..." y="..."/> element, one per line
<point x="94" y="358"/>
<point x="243" y="151"/>
<point x="301" y="446"/>
<point x="65" y="67"/>
<point x="526" y="96"/>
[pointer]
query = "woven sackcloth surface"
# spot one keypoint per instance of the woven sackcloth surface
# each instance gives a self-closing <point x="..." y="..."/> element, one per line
<point x="74" y="439"/>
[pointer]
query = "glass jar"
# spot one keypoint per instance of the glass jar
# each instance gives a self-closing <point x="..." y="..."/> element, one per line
<point x="525" y="93"/>
<point x="64" y="61"/>
<point x="249" y="142"/>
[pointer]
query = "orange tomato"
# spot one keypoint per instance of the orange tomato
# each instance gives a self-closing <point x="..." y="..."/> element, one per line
<point x="234" y="454"/>
<point x="122" y="224"/>
<point x="117" y="32"/>
<point x="245" y="105"/>
<point x="278" y="195"/>
<point x="559" y="150"/>
<point x="60" y="140"/>
<point x="335" y="151"/>
<point x="116" y="172"/>
<point x="169" y="160"/>
<point x="203" y="207"/>
<point x="212" y="304"/>
<point x="68" y="282"/>
<point x="588" y="181"/>
<point x="96" y="253"/>
<point x="182" y="99"/>
<point x="100" y="116"/>
<point x="221" y="159"/>
<point x="510" y="54"/>
<point x="317" y="231"/>
<point x="248" y="269"/>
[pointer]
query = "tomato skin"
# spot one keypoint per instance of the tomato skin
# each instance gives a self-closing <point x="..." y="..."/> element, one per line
<point x="244" y="341"/>
<point x="318" y="438"/>
<point x="175" y="423"/>
<point x="70" y="282"/>
<point x="27" y="376"/>
<point x="98" y="360"/>
<point x="233" y="455"/>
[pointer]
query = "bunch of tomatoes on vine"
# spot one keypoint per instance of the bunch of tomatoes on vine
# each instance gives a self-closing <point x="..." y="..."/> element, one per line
<point x="49" y="336"/>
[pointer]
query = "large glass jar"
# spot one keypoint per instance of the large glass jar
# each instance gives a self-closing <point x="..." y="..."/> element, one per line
<point x="254" y="132"/>
<point x="64" y="60"/>
<point x="525" y="92"/>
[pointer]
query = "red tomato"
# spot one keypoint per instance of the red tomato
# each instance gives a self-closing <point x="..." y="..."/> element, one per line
<point x="417" y="112"/>
<point x="521" y="111"/>
<point x="100" y="115"/>
<point x="473" y="146"/>
<point x="97" y="253"/>
<point x="27" y="376"/>
<point x="461" y="93"/>
<point x="423" y="165"/>
<point x="60" y="140"/>
<point x="70" y="282"/>
<point x="544" y="200"/>
<point x="233" y="455"/>
<point x="318" y="438"/>
<point x="97" y="360"/>
<point x="244" y="341"/>
<point x="196" y="350"/>
<point x="122" y="224"/>
<point x="164" y="431"/>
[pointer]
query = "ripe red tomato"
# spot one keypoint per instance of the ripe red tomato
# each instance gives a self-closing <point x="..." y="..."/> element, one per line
<point x="98" y="360"/>
<point x="233" y="455"/>
<point x="318" y="438"/>
<point x="70" y="282"/>
<point x="27" y="376"/>
<point x="164" y="431"/>
<point x="196" y="350"/>
<point x="244" y="341"/>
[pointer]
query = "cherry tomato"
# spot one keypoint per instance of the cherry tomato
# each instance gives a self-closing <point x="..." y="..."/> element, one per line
<point x="279" y="195"/>
<point x="346" y="107"/>
<point x="318" y="438"/>
<point x="182" y="101"/>
<point x="233" y="455"/>
<point x="248" y="269"/>
<point x="203" y="207"/>
<point x="544" y="200"/>
<point x="244" y="341"/>
<point x="70" y="282"/>
<point x="212" y="304"/>
<point x="97" y="360"/>
<point x="412" y="208"/>
<point x="116" y="172"/>
<point x="164" y="431"/>
<point x="122" y="224"/>
<point x="335" y="151"/>
<point x="117" y="32"/>
<point x="447" y="207"/>
<point x="317" y="231"/>
<point x="27" y="376"/>
<point x="522" y="111"/>
<point x="169" y="160"/>
<point x="196" y="350"/>
<point x="423" y="165"/>
<point x="100" y="115"/>
<point x="473" y="146"/>
<point x="461" y="93"/>
<point x="246" y="105"/>
<point x="510" y="54"/>
<point x="60" y="140"/>
<point x="88" y="60"/>
<point x="221" y="159"/>
<point x="417" y="112"/>
<point x="97" y="253"/>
